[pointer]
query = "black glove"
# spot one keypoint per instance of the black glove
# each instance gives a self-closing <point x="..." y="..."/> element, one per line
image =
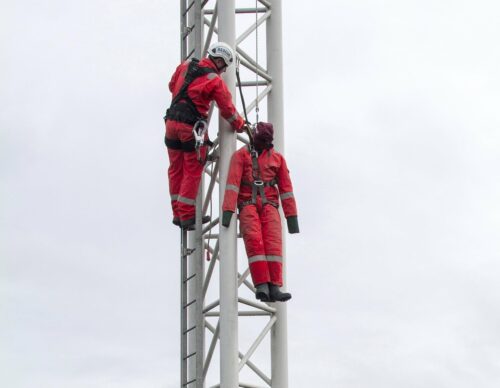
<point x="293" y="224"/>
<point x="226" y="217"/>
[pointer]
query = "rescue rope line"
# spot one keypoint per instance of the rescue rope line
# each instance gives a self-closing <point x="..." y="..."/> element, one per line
<point x="241" y="90"/>
<point x="250" y="137"/>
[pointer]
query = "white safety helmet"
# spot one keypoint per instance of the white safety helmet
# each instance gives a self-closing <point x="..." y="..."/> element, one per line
<point x="222" y="50"/>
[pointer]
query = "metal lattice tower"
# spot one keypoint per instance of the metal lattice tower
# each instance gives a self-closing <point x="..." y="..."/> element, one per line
<point x="241" y="24"/>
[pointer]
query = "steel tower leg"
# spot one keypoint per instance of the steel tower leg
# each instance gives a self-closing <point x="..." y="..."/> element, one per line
<point x="197" y="236"/>
<point x="184" y="320"/>
<point x="192" y="322"/>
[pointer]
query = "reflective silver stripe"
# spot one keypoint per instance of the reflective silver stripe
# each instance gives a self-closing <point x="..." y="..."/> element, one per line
<point x="233" y="187"/>
<point x="278" y="259"/>
<point x="187" y="201"/>
<point x="286" y="195"/>
<point x="211" y="76"/>
<point x="254" y="259"/>
<point x="174" y="197"/>
<point x="232" y="118"/>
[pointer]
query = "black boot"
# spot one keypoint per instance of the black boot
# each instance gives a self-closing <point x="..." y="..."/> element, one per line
<point x="262" y="292"/>
<point x="276" y="295"/>
<point x="190" y="224"/>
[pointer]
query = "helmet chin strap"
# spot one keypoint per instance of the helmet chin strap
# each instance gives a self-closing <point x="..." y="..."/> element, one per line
<point x="214" y="61"/>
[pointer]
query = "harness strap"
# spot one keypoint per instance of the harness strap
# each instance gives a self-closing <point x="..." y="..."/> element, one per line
<point x="251" y="202"/>
<point x="173" y="144"/>
<point x="187" y="146"/>
<point x="257" y="184"/>
<point x="272" y="182"/>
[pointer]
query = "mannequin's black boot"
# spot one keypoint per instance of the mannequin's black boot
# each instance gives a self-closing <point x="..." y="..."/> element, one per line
<point x="276" y="295"/>
<point x="262" y="292"/>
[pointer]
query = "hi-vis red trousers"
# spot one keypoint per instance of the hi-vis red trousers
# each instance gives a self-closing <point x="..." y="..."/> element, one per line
<point x="184" y="172"/>
<point x="261" y="230"/>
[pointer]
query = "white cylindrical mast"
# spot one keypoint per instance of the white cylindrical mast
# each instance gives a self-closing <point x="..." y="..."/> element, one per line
<point x="279" y="345"/>
<point x="227" y="239"/>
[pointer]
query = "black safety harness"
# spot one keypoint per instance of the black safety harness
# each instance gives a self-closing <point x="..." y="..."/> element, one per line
<point x="257" y="184"/>
<point x="184" y="110"/>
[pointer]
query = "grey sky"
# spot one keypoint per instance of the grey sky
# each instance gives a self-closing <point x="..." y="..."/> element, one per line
<point x="392" y="139"/>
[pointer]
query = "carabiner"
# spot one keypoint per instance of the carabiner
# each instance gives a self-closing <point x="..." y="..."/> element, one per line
<point x="199" y="131"/>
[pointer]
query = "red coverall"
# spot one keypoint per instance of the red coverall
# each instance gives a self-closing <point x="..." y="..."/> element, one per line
<point x="260" y="223"/>
<point x="184" y="172"/>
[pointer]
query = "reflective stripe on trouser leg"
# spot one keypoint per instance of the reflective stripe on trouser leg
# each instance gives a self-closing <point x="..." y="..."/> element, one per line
<point x="175" y="173"/>
<point x="189" y="186"/>
<point x="254" y="246"/>
<point x="271" y="232"/>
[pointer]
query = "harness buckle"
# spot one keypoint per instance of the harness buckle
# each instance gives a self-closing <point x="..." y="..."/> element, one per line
<point x="258" y="183"/>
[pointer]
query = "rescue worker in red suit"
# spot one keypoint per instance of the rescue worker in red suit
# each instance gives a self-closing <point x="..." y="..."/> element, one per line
<point x="258" y="203"/>
<point x="194" y="85"/>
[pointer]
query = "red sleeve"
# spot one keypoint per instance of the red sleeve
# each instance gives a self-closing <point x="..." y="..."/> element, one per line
<point x="233" y="182"/>
<point x="286" y="190"/>
<point x="173" y="80"/>
<point x="222" y="96"/>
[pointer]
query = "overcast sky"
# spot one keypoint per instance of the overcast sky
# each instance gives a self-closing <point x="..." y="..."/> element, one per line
<point x="393" y="143"/>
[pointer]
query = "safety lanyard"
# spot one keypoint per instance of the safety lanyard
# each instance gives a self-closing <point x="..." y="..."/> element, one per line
<point x="258" y="183"/>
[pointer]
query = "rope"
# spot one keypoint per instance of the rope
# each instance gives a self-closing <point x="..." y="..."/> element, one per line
<point x="241" y="90"/>
<point x="250" y="138"/>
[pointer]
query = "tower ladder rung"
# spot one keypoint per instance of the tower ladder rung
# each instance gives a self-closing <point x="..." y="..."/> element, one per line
<point x="189" y="382"/>
<point x="188" y="330"/>
<point x="189" y="356"/>
<point x="189" y="304"/>
<point x="189" y="278"/>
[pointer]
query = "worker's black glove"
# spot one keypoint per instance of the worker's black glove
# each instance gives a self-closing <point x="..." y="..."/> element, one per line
<point x="226" y="217"/>
<point x="293" y="224"/>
